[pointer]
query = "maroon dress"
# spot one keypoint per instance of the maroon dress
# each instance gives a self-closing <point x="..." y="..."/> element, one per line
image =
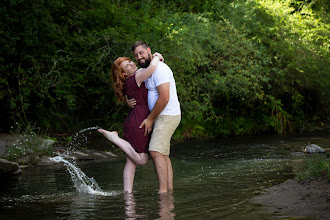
<point x="132" y="133"/>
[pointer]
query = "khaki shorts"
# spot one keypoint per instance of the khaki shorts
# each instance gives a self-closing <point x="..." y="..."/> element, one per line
<point x="164" y="127"/>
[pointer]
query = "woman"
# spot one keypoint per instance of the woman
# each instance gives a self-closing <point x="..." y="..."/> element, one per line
<point x="129" y="81"/>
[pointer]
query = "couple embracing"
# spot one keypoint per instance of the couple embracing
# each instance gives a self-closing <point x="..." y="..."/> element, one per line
<point x="151" y="91"/>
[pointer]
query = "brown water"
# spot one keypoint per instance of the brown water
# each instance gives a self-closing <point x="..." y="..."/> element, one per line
<point x="213" y="179"/>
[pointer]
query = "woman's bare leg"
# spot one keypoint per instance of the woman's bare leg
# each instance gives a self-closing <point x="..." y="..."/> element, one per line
<point x="128" y="175"/>
<point x="138" y="158"/>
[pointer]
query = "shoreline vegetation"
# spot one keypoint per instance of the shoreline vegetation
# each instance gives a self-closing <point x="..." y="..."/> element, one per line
<point x="316" y="166"/>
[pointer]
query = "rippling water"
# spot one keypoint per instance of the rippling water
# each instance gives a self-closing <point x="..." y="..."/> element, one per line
<point x="212" y="179"/>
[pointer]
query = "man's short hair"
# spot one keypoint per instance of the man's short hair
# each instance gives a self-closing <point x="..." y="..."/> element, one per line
<point x="139" y="43"/>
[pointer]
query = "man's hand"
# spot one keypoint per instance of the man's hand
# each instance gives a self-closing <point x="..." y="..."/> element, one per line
<point x="130" y="102"/>
<point x="147" y="123"/>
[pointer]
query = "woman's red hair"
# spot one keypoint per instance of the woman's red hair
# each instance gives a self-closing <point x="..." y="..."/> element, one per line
<point x="118" y="79"/>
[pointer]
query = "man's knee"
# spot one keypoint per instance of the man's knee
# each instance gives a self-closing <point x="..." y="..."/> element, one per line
<point x="155" y="154"/>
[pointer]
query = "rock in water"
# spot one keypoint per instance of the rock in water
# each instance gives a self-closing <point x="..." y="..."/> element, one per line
<point x="313" y="148"/>
<point x="8" y="167"/>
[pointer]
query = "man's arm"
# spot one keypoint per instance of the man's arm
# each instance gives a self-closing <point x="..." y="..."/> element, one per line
<point x="130" y="102"/>
<point x="163" y="98"/>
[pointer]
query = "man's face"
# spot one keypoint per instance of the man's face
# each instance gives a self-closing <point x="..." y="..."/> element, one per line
<point x="142" y="56"/>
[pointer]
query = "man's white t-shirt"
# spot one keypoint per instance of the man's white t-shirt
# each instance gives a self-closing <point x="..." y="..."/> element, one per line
<point x="163" y="74"/>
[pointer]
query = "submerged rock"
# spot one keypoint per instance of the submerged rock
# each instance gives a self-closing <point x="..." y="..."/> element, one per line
<point x="46" y="143"/>
<point x="313" y="148"/>
<point x="8" y="167"/>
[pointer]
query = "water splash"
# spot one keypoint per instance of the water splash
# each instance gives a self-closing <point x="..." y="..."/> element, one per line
<point x="79" y="138"/>
<point x="81" y="181"/>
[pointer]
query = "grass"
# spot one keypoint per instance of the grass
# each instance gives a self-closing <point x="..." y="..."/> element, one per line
<point x="28" y="145"/>
<point x="316" y="166"/>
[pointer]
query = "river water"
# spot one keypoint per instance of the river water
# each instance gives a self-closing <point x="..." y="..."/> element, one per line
<point x="213" y="179"/>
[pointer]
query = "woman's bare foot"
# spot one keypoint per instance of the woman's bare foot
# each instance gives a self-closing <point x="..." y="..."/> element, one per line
<point x="109" y="134"/>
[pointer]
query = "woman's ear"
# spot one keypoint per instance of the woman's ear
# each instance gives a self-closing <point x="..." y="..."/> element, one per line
<point x="125" y="74"/>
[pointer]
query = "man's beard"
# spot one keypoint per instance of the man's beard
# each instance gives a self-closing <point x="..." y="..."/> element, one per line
<point x="146" y="63"/>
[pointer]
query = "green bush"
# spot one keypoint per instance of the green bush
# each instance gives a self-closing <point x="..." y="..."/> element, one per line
<point x="29" y="145"/>
<point x="241" y="67"/>
<point x="316" y="166"/>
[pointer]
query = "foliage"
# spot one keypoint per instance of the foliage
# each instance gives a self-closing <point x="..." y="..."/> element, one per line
<point x="316" y="166"/>
<point x="28" y="146"/>
<point x="241" y="67"/>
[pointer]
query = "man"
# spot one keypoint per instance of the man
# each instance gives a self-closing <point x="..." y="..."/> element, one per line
<point x="165" y="114"/>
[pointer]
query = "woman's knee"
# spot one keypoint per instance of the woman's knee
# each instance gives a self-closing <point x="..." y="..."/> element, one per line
<point x="143" y="160"/>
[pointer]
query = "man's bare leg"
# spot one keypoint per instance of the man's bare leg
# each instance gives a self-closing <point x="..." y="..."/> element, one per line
<point x="169" y="174"/>
<point x="138" y="158"/>
<point x="128" y="175"/>
<point x="161" y="170"/>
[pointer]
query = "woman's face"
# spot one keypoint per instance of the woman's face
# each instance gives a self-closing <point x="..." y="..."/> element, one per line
<point x="129" y="67"/>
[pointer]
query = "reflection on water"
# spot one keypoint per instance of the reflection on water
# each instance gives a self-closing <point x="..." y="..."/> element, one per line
<point x="130" y="206"/>
<point x="166" y="206"/>
<point x="212" y="179"/>
<point x="165" y="209"/>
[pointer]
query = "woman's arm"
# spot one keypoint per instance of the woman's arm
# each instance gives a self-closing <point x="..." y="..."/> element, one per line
<point x="161" y="58"/>
<point x="144" y="74"/>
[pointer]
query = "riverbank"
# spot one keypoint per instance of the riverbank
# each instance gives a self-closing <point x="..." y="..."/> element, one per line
<point x="21" y="151"/>
<point x="298" y="199"/>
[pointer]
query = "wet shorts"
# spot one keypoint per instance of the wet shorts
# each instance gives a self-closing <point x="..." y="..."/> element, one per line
<point x="164" y="127"/>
